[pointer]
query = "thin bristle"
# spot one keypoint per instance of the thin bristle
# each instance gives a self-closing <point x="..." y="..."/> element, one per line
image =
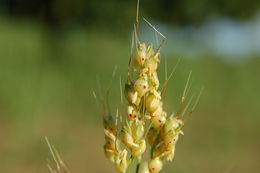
<point x="117" y="117"/>
<point x="132" y="43"/>
<point x="195" y="104"/>
<point x="117" y="131"/>
<point x="63" y="165"/>
<point x="94" y="94"/>
<point x="60" y="165"/>
<point x="50" y="169"/>
<point x="198" y="98"/>
<point x="121" y="91"/>
<point x="165" y="69"/>
<point x="109" y="88"/>
<point x="156" y="38"/>
<point x="186" y="86"/>
<point x="154" y="28"/>
<point x="136" y="36"/>
<point x="137" y="12"/>
<point x="184" y="95"/>
<point x="163" y="40"/>
<point x="114" y="72"/>
<point x="112" y="78"/>
<point x="130" y="58"/>
<point x="165" y="84"/>
<point x="99" y="87"/>
<point x="121" y="100"/>
<point x="95" y="97"/>
<point x="187" y="106"/>
<point x="52" y="152"/>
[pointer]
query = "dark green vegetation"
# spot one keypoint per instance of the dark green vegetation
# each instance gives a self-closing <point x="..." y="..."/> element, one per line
<point x="46" y="81"/>
<point x="116" y="13"/>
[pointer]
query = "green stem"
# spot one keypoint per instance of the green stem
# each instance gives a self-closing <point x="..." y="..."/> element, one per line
<point x="138" y="164"/>
<point x="137" y="168"/>
<point x="130" y="162"/>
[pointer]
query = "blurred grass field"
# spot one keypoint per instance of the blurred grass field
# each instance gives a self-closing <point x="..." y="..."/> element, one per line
<point x="46" y="82"/>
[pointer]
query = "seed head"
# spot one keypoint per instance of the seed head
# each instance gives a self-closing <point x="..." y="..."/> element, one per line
<point x="145" y="114"/>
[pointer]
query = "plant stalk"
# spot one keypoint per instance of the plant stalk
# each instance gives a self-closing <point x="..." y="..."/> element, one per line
<point x="138" y="164"/>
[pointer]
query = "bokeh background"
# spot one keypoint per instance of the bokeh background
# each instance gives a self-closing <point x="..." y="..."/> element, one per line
<point x="53" y="52"/>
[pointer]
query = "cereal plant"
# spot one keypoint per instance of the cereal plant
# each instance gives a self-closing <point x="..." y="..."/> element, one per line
<point x="145" y="122"/>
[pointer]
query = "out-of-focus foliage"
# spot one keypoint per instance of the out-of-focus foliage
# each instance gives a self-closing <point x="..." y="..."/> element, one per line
<point x="46" y="83"/>
<point x="117" y="12"/>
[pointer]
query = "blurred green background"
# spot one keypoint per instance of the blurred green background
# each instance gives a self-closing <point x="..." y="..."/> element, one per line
<point x="51" y="52"/>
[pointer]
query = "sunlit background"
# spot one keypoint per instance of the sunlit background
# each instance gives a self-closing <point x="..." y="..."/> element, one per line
<point x="54" y="52"/>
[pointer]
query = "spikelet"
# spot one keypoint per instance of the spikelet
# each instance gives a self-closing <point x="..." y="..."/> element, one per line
<point x="155" y="165"/>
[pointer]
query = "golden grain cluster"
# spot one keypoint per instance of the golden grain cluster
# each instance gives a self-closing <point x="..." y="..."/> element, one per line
<point x="145" y="124"/>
